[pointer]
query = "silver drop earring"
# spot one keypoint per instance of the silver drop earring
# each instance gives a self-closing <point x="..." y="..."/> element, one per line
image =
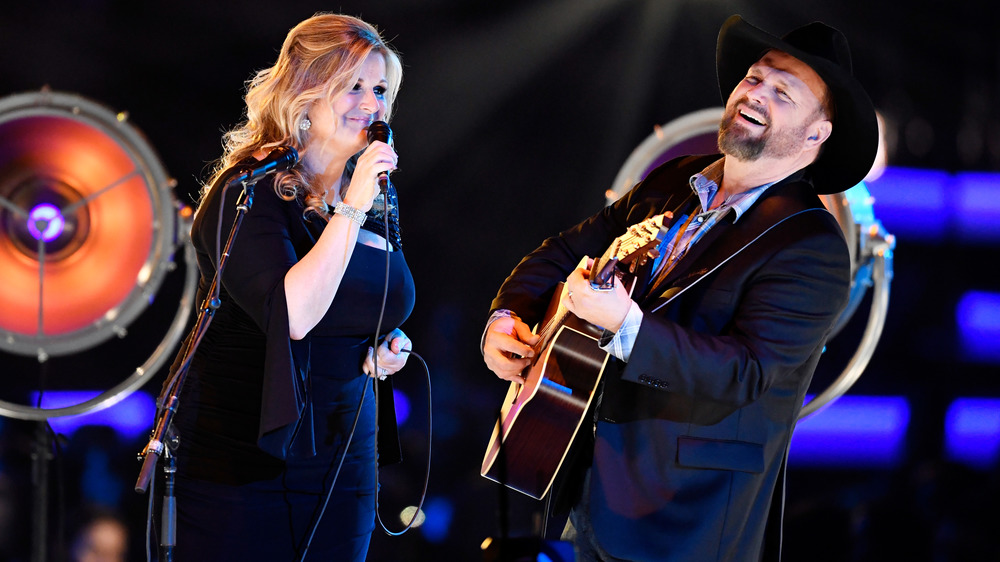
<point x="305" y="124"/>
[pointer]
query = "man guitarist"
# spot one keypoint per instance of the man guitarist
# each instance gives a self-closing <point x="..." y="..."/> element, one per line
<point x="714" y="349"/>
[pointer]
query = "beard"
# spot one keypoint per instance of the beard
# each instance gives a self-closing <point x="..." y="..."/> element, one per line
<point x="736" y="140"/>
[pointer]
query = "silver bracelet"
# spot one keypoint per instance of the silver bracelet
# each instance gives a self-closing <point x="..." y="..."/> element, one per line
<point x="356" y="215"/>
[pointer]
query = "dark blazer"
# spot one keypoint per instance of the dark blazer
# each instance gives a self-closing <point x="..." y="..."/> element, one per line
<point x="693" y="431"/>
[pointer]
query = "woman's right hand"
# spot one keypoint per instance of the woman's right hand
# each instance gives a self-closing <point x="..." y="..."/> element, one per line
<point x="378" y="157"/>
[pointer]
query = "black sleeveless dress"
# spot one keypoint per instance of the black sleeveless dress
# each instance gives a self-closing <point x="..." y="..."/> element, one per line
<point x="251" y="389"/>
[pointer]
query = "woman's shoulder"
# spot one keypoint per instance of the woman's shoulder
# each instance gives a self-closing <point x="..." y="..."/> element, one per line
<point x="261" y="199"/>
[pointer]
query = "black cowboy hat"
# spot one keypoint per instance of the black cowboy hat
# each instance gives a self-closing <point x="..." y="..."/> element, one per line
<point x="849" y="153"/>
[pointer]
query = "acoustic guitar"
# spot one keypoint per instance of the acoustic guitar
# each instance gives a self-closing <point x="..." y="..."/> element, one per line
<point x="540" y="417"/>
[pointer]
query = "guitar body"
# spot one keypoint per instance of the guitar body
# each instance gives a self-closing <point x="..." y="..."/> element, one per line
<point x="539" y="419"/>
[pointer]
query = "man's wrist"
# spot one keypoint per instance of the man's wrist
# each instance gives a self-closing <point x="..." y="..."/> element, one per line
<point x="621" y="342"/>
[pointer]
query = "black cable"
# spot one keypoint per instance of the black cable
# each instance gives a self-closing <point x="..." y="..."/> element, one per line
<point x="149" y="519"/>
<point x="193" y="341"/>
<point x="430" y="425"/>
<point x="378" y="329"/>
<point x="545" y="514"/>
<point x="364" y="389"/>
<point x="427" y="473"/>
<point x="59" y="455"/>
<point x="329" y="493"/>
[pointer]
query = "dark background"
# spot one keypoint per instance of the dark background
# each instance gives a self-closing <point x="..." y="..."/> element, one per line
<point x="513" y="119"/>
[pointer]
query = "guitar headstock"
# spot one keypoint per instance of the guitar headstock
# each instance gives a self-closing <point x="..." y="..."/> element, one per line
<point x="633" y="249"/>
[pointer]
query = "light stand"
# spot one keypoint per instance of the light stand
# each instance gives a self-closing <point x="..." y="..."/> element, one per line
<point x="89" y="227"/>
<point x="40" y="456"/>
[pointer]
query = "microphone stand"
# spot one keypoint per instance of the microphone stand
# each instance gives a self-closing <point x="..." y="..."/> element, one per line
<point x="168" y="516"/>
<point x="163" y="441"/>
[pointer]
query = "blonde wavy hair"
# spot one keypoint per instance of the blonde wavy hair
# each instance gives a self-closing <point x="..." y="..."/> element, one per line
<point x="320" y="59"/>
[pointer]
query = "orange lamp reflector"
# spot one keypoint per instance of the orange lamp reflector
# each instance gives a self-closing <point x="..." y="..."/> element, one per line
<point x="86" y="223"/>
<point x="70" y="166"/>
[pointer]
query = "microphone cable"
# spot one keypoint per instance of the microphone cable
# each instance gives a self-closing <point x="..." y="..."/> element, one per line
<point x="364" y="390"/>
<point x="427" y="472"/>
<point x="427" y="373"/>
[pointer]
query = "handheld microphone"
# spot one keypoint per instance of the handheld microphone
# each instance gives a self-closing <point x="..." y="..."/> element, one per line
<point x="278" y="160"/>
<point x="380" y="131"/>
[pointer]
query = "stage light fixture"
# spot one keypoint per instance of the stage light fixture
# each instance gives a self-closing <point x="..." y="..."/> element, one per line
<point x="88" y="230"/>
